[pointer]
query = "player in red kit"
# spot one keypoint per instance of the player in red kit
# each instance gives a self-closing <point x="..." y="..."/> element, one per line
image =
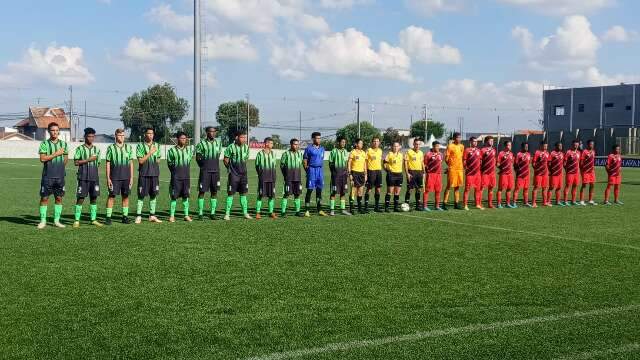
<point x="505" y="169"/>
<point x="521" y="164"/>
<point x="556" y="163"/>
<point x="488" y="169"/>
<point x="541" y="175"/>
<point x="614" y="170"/>
<point x="588" y="171"/>
<point x="572" y="172"/>
<point x="472" y="160"/>
<point x="433" y="167"/>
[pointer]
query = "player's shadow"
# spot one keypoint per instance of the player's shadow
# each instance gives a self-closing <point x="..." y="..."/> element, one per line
<point x="21" y="220"/>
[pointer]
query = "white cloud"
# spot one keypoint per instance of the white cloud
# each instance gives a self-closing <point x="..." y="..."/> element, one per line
<point x="561" y="7"/>
<point x="165" y="16"/>
<point x="618" y="34"/>
<point x="430" y="7"/>
<point x="573" y="44"/>
<point x="419" y="44"/>
<point x="154" y="77"/>
<point x="342" y="4"/>
<point x="57" y="65"/>
<point x="208" y="78"/>
<point x="230" y="47"/>
<point x="593" y="77"/>
<point x="313" y="23"/>
<point x="289" y="61"/>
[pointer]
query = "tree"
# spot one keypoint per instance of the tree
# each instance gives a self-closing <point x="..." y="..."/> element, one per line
<point x="328" y="144"/>
<point x="186" y="127"/>
<point x="232" y="117"/>
<point x="277" y="142"/>
<point x="350" y="132"/>
<point x="434" y="128"/>
<point x="151" y="108"/>
<point x="390" y="136"/>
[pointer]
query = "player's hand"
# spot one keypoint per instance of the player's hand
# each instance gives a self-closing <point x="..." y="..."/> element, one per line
<point x="93" y="158"/>
<point x="153" y="149"/>
<point x="109" y="184"/>
<point x="59" y="152"/>
<point x="130" y="184"/>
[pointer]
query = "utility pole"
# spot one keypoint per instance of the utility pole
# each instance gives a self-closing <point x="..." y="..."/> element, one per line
<point x="373" y="111"/>
<point x="71" y="112"/>
<point x="498" y="142"/>
<point x="426" y="124"/>
<point x="358" y="114"/>
<point x="85" y="113"/>
<point x="300" y="125"/>
<point x="197" y="124"/>
<point x="248" y="110"/>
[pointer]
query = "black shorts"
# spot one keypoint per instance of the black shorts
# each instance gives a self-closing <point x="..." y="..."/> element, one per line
<point x="119" y="187"/>
<point x="339" y="183"/>
<point x="266" y="189"/>
<point x="357" y="178"/>
<point x="88" y="188"/>
<point x="209" y="182"/>
<point x="50" y="186"/>
<point x="237" y="184"/>
<point x="374" y="179"/>
<point x="179" y="188"/>
<point x="394" y="179"/>
<point x="148" y="186"/>
<point x="292" y="188"/>
<point x="417" y="180"/>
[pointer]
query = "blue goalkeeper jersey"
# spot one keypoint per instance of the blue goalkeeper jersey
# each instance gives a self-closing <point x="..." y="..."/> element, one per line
<point x="314" y="155"/>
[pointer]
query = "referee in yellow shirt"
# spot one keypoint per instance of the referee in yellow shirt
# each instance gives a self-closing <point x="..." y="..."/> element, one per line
<point x="374" y="174"/>
<point x="357" y="169"/>
<point x="393" y="164"/>
<point x="414" y="168"/>
<point x="455" y="171"/>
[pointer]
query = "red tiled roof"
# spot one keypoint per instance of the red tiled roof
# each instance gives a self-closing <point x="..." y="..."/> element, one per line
<point x="41" y="117"/>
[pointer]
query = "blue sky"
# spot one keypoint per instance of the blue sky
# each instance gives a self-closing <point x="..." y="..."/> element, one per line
<point x="460" y="57"/>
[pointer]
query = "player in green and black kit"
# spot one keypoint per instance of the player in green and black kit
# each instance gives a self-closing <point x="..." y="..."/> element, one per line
<point x="208" y="158"/>
<point x="235" y="160"/>
<point x="87" y="159"/>
<point x="339" y="175"/>
<point x="53" y="156"/>
<point x="291" y="166"/>
<point x="119" y="175"/>
<point x="179" y="162"/>
<point x="148" y="154"/>
<point x="266" y="168"/>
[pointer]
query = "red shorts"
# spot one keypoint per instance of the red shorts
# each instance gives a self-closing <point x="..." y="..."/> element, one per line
<point x="488" y="181"/>
<point x="541" y="181"/>
<point x="506" y="182"/>
<point x="555" y="182"/>
<point x="615" y="180"/>
<point x="434" y="182"/>
<point x="473" y="181"/>
<point x="523" y="183"/>
<point x="589" y="178"/>
<point x="572" y="180"/>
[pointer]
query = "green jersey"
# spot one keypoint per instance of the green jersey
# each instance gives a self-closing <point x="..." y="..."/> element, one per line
<point x="87" y="171"/>
<point x="119" y="161"/>
<point x="338" y="159"/>
<point x="179" y="162"/>
<point x="54" y="168"/>
<point x="266" y="166"/>
<point x="150" y="167"/>
<point x="208" y="155"/>
<point x="291" y="165"/>
<point x="238" y="156"/>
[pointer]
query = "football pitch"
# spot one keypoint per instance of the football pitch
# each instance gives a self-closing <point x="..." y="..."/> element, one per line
<point x="521" y="283"/>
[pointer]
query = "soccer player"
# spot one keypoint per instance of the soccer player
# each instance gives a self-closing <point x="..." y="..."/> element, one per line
<point x="472" y="163"/>
<point x="414" y="168"/>
<point x="338" y="159"/>
<point x="521" y="165"/>
<point x="374" y="174"/>
<point x="588" y="171"/>
<point x="505" y="177"/>
<point x="291" y="166"/>
<point x="488" y="169"/>
<point x="393" y="164"/>
<point x="87" y="159"/>
<point x="614" y="170"/>
<point x="266" y="169"/>
<point x="455" y="170"/>
<point x="572" y="169"/>
<point x="208" y="157"/>
<point x="235" y="160"/>
<point x="179" y="162"/>
<point x="148" y="154"/>
<point x="556" y="162"/>
<point x="433" y="169"/>
<point x="541" y="175"/>
<point x="53" y="156"/>
<point x="313" y="160"/>
<point x="119" y="161"/>
<point x="357" y="169"/>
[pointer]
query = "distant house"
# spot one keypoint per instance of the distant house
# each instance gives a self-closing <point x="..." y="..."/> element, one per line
<point x="35" y="126"/>
<point x="14" y="136"/>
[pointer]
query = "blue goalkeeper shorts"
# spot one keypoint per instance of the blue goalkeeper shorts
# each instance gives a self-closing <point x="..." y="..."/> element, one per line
<point x="315" y="178"/>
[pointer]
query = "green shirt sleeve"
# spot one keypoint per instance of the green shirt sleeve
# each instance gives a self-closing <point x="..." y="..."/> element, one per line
<point x="77" y="155"/>
<point x="171" y="157"/>
<point x="43" y="148"/>
<point x="66" y="148"/>
<point x="227" y="152"/>
<point x="140" y="151"/>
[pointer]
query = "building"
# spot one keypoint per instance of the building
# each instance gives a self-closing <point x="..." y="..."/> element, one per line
<point x="11" y="134"/>
<point x="35" y="126"/>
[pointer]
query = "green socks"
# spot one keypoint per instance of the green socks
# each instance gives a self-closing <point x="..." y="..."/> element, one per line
<point x="272" y="205"/>
<point x="244" y="204"/>
<point x="200" y="206"/>
<point x="125" y="211"/>
<point x="227" y="209"/>
<point x="298" y="204"/>
<point x="332" y="204"/>
<point x="57" y="211"/>
<point x="77" y="212"/>
<point x="152" y="206"/>
<point x="343" y="204"/>
<point x="139" y="207"/>
<point x="172" y="208"/>
<point x="185" y="207"/>
<point x="283" y="205"/>
<point x="43" y="213"/>
<point x="93" y="211"/>
<point x="214" y="205"/>
<point x="213" y="202"/>
<point x="258" y="206"/>
<point x="110" y="211"/>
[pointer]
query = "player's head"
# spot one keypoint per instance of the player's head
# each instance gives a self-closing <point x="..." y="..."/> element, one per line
<point x="359" y="144"/>
<point x="119" y="135"/>
<point x="416" y="144"/>
<point x="181" y="138"/>
<point x="375" y="142"/>
<point x="148" y="134"/>
<point x="89" y="135"/>
<point x="268" y="143"/>
<point x="590" y="144"/>
<point x="241" y="137"/>
<point x="212" y="132"/>
<point x="507" y="145"/>
<point x="488" y="141"/>
<point x="435" y="146"/>
<point x="341" y="142"/>
<point x="316" y="137"/>
<point x="575" y="144"/>
<point x="294" y="144"/>
<point x="457" y="137"/>
<point x="54" y="130"/>
<point x="524" y="147"/>
<point x="558" y="146"/>
<point x="616" y="149"/>
<point x="544" y="146"/>
<point x="473" y="141"/>
<point x="396" y="146"/>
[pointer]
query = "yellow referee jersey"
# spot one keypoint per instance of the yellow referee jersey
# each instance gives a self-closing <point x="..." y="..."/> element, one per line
<point x="393" y="162"/>
<point x="358" y="159"/>
<point x="374" y="159"/>
<point x="414" y="160"/>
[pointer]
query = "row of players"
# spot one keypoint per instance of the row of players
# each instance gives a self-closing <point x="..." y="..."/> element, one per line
<point x="356" y="173"/>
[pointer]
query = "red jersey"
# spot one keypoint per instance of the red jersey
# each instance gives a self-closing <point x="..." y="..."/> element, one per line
<point x="433" y="162"/>
<point x="588" y="161"/>
<point x="556" y="162"/>
<point x="614" y="165"/>
<point x="488" y="160"/>
<point x="472" y="161"/>
<point x="541" y="163"/>
<point x="521" y="164"/>
<point x="505" y="162"/>
<point x="572" y="161"/>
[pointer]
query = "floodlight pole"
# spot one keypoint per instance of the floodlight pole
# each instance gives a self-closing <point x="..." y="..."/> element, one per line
<point x="358" y="115"/>
<point x="197" y="124"/>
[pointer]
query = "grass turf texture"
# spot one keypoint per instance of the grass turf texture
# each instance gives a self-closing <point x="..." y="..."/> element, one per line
<point x="240" y="289"/>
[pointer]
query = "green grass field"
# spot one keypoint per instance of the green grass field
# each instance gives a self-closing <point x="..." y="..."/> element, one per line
<point x="524" y="283"/>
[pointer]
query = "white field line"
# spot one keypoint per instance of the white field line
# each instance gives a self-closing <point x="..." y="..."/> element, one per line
<point x="19" y="164"/>
<point x="474" y="328"/>
<point x="490" y="227"/>
<point x="598" y="353"/>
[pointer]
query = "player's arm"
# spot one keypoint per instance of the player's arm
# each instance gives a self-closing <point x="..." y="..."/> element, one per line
<point x="199" y="157"/>
<point x="43" y="154"/>
<point x="332" y="161"/>
<point x="142" y="157"/>
<point x="305" y="159"/>
<point x="349" y="164"/>
<point x="130" y="173"/>
<point x="406" y="166"/>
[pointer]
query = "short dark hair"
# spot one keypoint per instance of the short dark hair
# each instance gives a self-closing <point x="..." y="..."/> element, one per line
<point x="614" y="147"/>
<point x="314" y="134"/>
<point x="52" y="124"/>
<point x="416" y="139"/>
<point x="357" y="140"/>
<point x="210" y="128"/>
<point x="340" y="138"/>
<point x="590" y="141"/>
<point x="180" y="134"/>
<point x="89" y="131"/>
<point x="149" y="128"/>
<point x="524" y="144"/>
<point x="507" y="142"/>
<point x="473" y="138"/>
<point x="375" y="137"/>
<point x="543" y="143"/>
<point x="119" y="131"/>
<point x="292" y="141"/>
<point x="487" y="138"/>
<point x="576" y="141"/>
<point x="240" y="133"/>
<point x="267" y="139"/>
<point x="558" y="143"/>
<point x="433" y="144"/>
<point x="455" y="135"/>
